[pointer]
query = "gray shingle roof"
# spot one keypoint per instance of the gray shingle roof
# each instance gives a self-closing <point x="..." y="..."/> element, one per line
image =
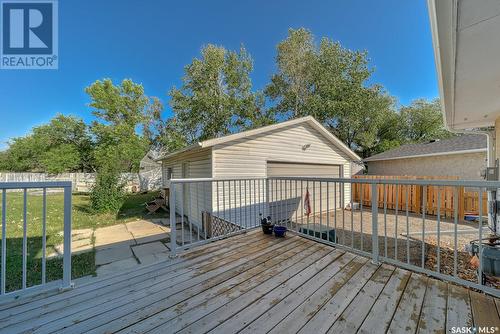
<point x="454" y="144"/>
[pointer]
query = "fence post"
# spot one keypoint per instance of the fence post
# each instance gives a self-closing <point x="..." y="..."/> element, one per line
<point x="66" y="284"/>
<point x="173" y="222"/>
<point x="374" y="224"/>
<point x="355" y="191"/>
<point x="418" y="198"/>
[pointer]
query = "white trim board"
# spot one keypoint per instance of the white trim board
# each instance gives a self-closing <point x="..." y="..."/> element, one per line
<point x="479" y="150"/>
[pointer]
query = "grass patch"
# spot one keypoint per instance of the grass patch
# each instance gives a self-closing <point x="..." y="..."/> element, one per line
<point x="82" y="218"/>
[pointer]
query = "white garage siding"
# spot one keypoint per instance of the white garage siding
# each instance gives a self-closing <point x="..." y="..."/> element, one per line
<point x="248" y="157"/>
<point x="196" y="196"/>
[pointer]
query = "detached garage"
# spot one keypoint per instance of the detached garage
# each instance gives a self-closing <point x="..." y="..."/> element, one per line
<point x="300" y="147"/>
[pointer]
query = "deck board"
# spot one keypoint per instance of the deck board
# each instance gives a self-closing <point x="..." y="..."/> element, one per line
<point x="329" y="313"/>
<point x="230" y="288"/>
<point x="253" y="283"/>
<point x="380" y="316"/>
<point x="459" y="312"/>
<point x="484" y="311"/>
<point x="434" y="308"/>
<point x="405" y="319"/>
<point x="258" y="307"/>
<point x="108" y="300"/>
<point x="352" y="318"/>
<point x="274" y="314"/>
<point x="301" y="315"/>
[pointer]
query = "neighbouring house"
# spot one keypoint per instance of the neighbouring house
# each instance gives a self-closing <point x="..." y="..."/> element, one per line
<point x="299" y="147"/>
<point x="150" y="171"/>
<point x="463" y="156"/>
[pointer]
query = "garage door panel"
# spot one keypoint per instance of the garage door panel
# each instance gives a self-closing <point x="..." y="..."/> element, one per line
<point x="287" y="196"/>
<point x="275" y="169"/>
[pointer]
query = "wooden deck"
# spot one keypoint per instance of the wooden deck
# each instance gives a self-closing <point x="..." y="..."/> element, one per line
<point x="259" y="284"/>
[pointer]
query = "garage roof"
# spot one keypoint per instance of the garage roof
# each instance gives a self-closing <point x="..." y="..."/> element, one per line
<point x="308" y="119"/>
<point x="469" y="143"/>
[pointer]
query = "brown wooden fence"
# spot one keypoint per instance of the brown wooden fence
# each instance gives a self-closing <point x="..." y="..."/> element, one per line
<point x="396" y="196"/>
<point x="471" y="202"/>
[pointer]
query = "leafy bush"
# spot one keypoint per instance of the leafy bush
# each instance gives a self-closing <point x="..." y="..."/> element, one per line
<point x="107" y="195"/>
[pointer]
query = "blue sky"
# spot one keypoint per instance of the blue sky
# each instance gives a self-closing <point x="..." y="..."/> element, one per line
<point x="151" y="41"/>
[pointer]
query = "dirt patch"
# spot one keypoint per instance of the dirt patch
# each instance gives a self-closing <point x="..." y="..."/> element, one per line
<point x="401" y="238"/>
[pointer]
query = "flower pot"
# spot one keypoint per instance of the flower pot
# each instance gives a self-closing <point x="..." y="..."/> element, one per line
<point x="279" y="231"/>
<point x="267" y="228"/>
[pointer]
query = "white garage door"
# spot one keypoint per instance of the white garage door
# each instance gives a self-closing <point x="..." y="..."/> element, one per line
<point x="287" y="196"/>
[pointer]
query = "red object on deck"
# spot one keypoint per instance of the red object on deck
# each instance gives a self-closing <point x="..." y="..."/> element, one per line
<point x="307" y="203"/>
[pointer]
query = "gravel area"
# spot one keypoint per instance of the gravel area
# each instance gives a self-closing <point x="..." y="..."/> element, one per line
<point x="354" y="229"/>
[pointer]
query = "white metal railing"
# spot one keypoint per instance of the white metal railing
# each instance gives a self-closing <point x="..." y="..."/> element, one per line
<point x="208" y="209"/>
<point x="433" y="244"/>
<point x="24" y="187"/>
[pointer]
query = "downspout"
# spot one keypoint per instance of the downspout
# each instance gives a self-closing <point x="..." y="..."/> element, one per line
<point x="493" y="219"/>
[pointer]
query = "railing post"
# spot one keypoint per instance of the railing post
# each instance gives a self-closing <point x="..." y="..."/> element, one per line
<point x="67" y="239"/>
<point x="374" y="224"/>
<point x="268" y="209"/>
<point x="173" y="222"/>
<point x="4" y="240"/>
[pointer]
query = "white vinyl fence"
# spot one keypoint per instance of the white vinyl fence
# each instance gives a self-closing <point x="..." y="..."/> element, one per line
<point x="83" y="182"/>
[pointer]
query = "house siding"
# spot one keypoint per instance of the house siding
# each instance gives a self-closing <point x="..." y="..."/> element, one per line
<point x="466" y="166"/>
<point x="198" y="165"/>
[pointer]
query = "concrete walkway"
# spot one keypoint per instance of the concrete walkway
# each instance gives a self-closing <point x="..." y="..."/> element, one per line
<point x="128" y="245"/>
<point x="81" y="242"/>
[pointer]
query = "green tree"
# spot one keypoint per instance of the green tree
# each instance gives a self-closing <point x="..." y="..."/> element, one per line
<point x="329" y="82"/>
<point x="122" y="111"/>
<point x="422" y="120"/>
<point x="389" y="134"/>
<point x="23" y="155"/>
<point x="62" y="158"/>
<point x="4" y="165"/>
<point x="215" y="98"/>
<point x="292" y="87"/>
<point x="65" y="135"/>
<point x="171" y="136"/>
<point x="62" y="145"/>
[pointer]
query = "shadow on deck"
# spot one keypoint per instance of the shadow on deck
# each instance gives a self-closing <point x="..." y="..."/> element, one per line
<point x="260" y="284"/>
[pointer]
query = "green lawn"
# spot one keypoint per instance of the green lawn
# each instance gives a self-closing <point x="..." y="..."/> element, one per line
<point x="83" y="217"/>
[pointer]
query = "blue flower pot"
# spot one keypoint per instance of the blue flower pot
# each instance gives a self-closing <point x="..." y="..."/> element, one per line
<point x="279" y="231"/>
